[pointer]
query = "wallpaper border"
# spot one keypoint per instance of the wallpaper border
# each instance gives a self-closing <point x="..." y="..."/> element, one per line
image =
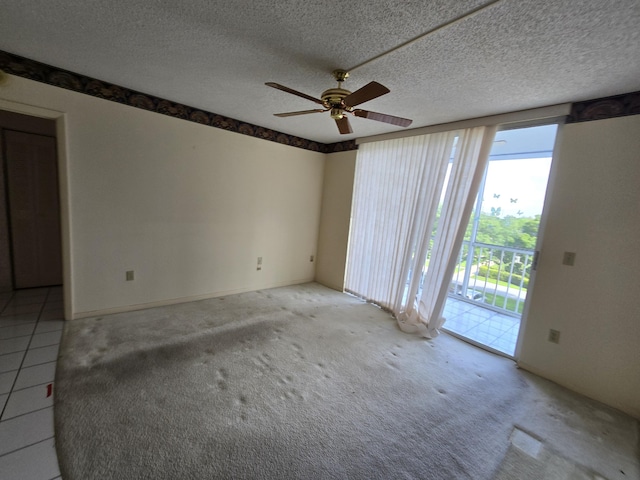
<point x="608" y="107"/>
<point x="40" y="72"/>
<point x="597" y="109"/>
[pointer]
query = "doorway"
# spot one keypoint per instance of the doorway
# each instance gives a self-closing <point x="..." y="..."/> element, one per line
<point x="491" y="279"/>
<point x="30" y="232"/>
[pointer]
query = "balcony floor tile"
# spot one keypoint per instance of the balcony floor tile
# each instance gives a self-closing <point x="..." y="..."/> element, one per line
<point x="482" y="325"/>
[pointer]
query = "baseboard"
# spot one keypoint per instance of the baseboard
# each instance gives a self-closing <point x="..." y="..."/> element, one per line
<point x="331" y="285"/>
<point x="175" y="301"/>
<point x="626" y="407"/>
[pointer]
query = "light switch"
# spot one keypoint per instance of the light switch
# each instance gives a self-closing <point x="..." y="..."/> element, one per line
<point x="554" y="336"/>
<point x="569" y="258"/>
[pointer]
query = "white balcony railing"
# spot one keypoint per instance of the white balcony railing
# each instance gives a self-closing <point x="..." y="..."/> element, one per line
<point x="493" y="276"/>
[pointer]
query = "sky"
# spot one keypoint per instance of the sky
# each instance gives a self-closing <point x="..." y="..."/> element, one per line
<point x="518" y="171"/>
<point x="517" y="187"/>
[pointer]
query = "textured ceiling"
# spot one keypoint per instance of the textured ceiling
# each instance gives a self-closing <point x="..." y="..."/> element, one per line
<point x="217" y="55"/>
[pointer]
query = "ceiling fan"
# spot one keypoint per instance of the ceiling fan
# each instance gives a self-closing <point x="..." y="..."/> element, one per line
<point x="341" y="102"/>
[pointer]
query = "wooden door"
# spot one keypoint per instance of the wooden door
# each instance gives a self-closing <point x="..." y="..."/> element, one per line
<point x="34" y="209"/>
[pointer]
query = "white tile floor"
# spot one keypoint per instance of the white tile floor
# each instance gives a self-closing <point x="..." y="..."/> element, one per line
<point x="481" y="325"/>
<point x="31" y="324"/>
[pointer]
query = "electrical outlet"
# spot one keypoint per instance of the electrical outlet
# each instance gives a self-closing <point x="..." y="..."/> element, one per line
<point x="554" y="336"/>
<point x="129" y="275"/>
<point x="311" y="258"/>
<point x="259" y="266"/>
<point x="569" y="258"/>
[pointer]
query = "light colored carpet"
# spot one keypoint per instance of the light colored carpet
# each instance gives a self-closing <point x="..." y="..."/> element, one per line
<point x="528" y="458"/>
<point x="304" y="382"/>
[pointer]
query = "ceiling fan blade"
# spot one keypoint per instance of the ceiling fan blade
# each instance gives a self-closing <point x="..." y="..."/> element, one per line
<point x="294" y="92"/>
<point x="343" y="125"/>
<point x="382" y="117"/>
<point x="370" y="91"/>
<point x="302" y="112"/>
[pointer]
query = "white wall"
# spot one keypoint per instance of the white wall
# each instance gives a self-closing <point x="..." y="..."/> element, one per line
<point x="339" y="171"/>
<point x="594" y="210"/>
<point x="188" y="207"/>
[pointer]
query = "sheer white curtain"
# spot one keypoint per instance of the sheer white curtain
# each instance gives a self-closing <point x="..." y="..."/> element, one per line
<point x="398" y="186"/>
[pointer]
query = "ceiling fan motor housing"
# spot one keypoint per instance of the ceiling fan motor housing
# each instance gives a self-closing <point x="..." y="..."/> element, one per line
<point x="334" y="96"/>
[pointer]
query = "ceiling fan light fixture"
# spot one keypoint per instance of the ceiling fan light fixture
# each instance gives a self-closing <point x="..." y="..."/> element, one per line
<point x="337" y="113"/>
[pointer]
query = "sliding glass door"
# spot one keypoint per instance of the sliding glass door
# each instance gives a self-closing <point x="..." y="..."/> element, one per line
<point x="491" y="279"/>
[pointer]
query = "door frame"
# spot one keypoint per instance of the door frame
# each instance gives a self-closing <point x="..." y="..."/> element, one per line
<point x="63" y="190"/>
<point x="540" y="238"/>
